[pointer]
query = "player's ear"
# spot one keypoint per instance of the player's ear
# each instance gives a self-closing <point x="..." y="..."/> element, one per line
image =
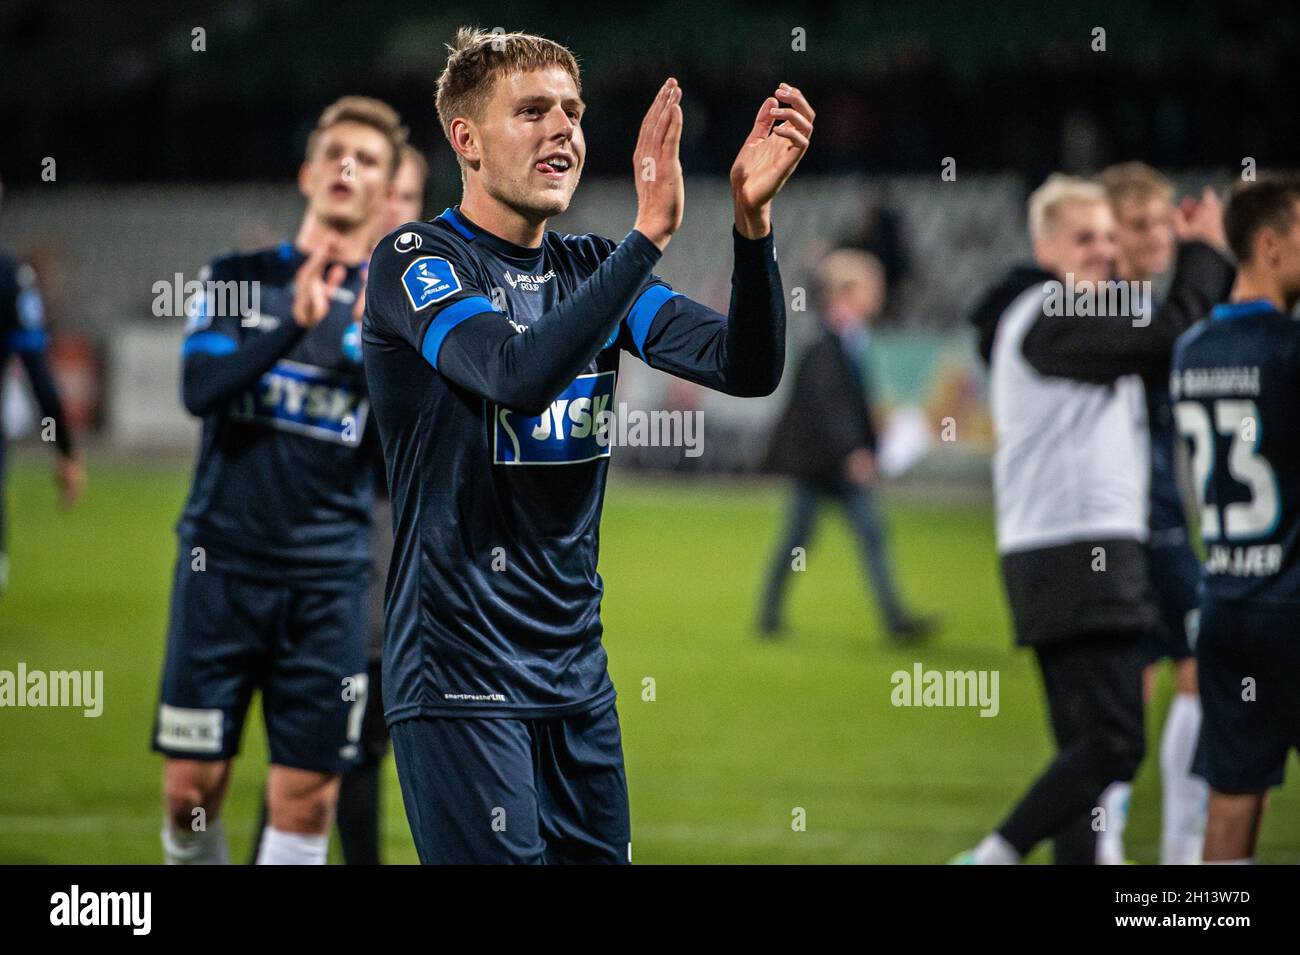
<point x="1265" y="247"/>
<point x="464" y="139"/>
<point x="304" y="179"/>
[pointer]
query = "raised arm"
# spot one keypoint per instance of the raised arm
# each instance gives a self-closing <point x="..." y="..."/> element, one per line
<point x="743" y="352"/>
<point x="1102" y="348"/>
<point x="218" y="363"/>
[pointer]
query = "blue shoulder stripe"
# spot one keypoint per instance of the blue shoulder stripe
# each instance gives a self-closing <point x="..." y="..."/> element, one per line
<point x="208" y="342"/>
<point x="1258" y="306"/>
<point x="643" y="312"/>
<point x="446" y="320"/>
<point x="27" y="340"/>
<point x="456" y="223"/>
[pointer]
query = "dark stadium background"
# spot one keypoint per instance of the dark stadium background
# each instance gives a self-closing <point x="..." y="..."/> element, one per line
<point x="165" y="156"/>
<point x="116" y="89"/>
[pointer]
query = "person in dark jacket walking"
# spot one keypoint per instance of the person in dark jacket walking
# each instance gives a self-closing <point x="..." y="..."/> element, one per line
<point x="826" y="440"/>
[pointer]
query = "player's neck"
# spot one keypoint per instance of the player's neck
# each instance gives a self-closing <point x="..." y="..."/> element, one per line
<point x="496" y="217"/>
<point x="354" y="246"/>
<point x="1251" y="286"/>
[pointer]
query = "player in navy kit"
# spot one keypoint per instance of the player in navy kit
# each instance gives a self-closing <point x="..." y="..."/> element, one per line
<point x="270" y="583"/>
<point x="360" y="801"/>
<point x="492" y="350"/>
<point x="358" y="811"/>
<point x="22" y="333"/>
<point x="1150" y="239"/>
<point x="1236" y="386"/>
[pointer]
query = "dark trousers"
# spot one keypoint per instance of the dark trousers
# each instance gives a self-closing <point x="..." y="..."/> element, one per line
<point x="1093" y="686"/>
<point x="359" y="818"/>
<point x="868" y="527"/>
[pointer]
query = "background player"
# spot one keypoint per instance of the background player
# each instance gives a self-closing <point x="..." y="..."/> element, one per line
<point x="359" y="791"/>
<point x="359" y="802"/>
<point x="22" y="333"/>
<point x="492" y="348"/>
<point x="1146" y="224"/>
<point x="270" y="583"/>
<point x="1236" y="386"/>
<point x="1070" y="482"/>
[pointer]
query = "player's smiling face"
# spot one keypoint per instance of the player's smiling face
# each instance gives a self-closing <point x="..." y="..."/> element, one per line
<point x="346" y="180"/>
<point x="1081" y="242"/>
<point x="530" y="142"/>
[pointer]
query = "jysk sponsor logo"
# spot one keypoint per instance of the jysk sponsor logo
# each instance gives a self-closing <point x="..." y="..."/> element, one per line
<point x="574" y="429"/>
<point x="429" y="279"/>
<point x="304" y="399"/>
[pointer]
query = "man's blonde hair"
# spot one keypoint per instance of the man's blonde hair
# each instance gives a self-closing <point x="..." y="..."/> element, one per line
<point x="1060" y="190"/>
<point x="368" y="112"/>
<point x="844" y="264"/>
<point x="1134" y="180"/>
<point x="476" y="58"/>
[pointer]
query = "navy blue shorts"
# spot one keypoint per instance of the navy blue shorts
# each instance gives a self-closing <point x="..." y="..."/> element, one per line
<point x="230" y="635"/>
<point x="1248" y="668"/>
<point x="1175" y="574"/>
<point x="533" y="791"/>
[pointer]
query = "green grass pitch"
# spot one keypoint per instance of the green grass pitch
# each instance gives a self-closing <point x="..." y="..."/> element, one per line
<point x="739" y="736"/>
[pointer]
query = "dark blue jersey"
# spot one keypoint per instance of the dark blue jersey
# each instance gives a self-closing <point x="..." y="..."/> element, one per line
<point x="1236" y="387"/>
<point x="22" y="333"/>
<point x="493" y="369"/>
<point x="1167" y="521"/>
<point x="283" y="485"/>
<point x="22" y="317"/>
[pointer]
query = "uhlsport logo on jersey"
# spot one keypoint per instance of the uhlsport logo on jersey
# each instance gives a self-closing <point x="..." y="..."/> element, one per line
<point x="408" y="242"/>
<point x="306" y="400"/>
<point x="574" y="429"/>
<point x="429" y="279"/>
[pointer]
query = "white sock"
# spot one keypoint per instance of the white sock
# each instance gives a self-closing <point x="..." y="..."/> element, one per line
<point x="1110" y="841"/>
<point x="292" y="848"/>
<point x="1185" y="796"/>
<point x="994" y="850"/>
<point x="186" y="847"/>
